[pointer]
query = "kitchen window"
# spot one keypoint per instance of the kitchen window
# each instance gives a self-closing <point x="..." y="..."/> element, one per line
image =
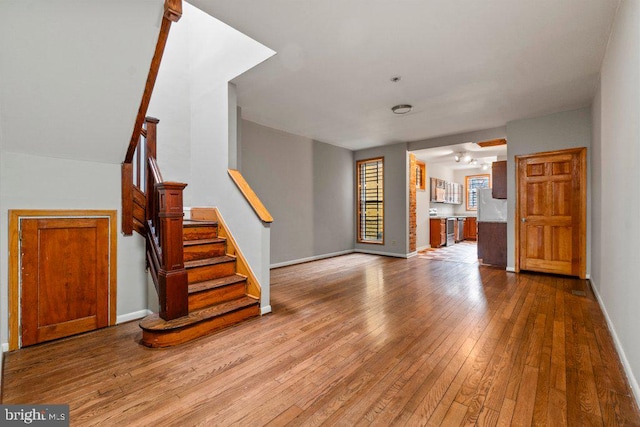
<point x="472" y="184"/>
<point x="370" y="188"/>
<point x="421" y="175"/>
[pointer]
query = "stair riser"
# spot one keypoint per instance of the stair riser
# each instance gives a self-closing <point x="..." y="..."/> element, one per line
<point x="208" y="272"/>
<point x="214" y="296"/>
<point x="210" y="250"/>
<point x="191" y="332"/>
<point x="197" y="233"/>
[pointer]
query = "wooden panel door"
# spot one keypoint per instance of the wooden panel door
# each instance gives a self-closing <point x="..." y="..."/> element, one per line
<point x="64" y="277"/>
<point x="551" y="209"/>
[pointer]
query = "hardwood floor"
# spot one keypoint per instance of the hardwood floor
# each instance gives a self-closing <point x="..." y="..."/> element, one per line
<point x="355" y="340"/>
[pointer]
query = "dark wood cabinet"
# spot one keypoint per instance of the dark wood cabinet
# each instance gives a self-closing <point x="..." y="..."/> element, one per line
<point x="492" y="243"/>
<point x="470" y="228"/>
<point x="437" y="232"/>
<point x="499" y="179"/>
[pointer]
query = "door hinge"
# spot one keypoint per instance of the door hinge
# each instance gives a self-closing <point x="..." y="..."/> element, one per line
<point x="20" y="235"/>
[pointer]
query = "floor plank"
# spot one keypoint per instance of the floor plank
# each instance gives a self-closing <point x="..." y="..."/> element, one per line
<point x="355" y="340"/>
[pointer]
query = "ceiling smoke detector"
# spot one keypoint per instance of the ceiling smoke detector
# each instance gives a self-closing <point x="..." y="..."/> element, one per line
<point x="402" y="109"/>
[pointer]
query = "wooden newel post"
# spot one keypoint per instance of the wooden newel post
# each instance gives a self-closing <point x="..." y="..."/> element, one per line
<point x="172" y="277"/>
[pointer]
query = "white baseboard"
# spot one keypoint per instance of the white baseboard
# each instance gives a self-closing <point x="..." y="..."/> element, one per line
<point x="422" y="248"/>
<point x="366" y="251"/>
<point x="635" y="388"/>
<point x="5" y="347"/>
<point x="265" y="310"/>
<point x="311" y="258"/>
<point x="412" y="254"/>
<point x="132" y="316"/>
<point x="510" y="269"/>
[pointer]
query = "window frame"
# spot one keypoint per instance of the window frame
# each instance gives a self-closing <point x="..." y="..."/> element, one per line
<point x="467" y="192"/>
<point x="360" y="238"/>
<point x="421" y="171"/>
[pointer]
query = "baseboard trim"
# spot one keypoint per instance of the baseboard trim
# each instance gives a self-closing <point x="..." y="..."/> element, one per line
<point x="635" y="388"/>
<point x="132" y="316"/>
<point x="422" y="248"/>
<point x="311" y="258"/>
<point x="5" y="347"/>
<point x="265" y="310"/>
<point x="366" y="251"/>
<point x="510" y="269"/>
<point x="412" y="254"/>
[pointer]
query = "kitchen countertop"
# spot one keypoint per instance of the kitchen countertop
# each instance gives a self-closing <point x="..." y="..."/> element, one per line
<point x="451" y="216"/>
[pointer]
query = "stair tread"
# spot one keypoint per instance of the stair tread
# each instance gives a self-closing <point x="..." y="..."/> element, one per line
<point x="216" y="283"/>
<point x="209" y="261"/>
<point x="198" y="223"/>
<point x="155" y="322"/>
<point x="203" y="241"/>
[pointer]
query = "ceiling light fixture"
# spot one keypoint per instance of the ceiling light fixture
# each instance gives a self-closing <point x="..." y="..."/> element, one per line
<point x="485" y="166"/>
<point x="457" y="157"/>
<point x="401" y="109"/>
<point x="467" y="157"/>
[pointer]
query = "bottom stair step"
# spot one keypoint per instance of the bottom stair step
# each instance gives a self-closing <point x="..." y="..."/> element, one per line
<point x="157" y="332"/>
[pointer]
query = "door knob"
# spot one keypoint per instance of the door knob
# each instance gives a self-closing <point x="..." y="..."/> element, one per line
<point x="524" y="220"/>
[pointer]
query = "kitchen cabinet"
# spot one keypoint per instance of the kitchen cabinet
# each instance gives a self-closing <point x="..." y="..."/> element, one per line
<point x="470" y="228"/>
<point x="437" y="232"/>
<point x="499" y="179"/>
<point x="492" y="243"/>
<point x="445" y="192"/>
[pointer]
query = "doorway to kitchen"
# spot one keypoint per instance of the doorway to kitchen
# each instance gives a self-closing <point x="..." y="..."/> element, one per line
<point x="447" y="207"/>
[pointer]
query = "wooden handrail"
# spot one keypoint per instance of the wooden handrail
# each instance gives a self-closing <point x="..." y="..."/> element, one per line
<point x="251" y="196"/>
<point x="172" y="13"/>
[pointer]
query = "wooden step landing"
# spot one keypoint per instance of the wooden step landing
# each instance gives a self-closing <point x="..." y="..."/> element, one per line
<point x="157" y="332"/>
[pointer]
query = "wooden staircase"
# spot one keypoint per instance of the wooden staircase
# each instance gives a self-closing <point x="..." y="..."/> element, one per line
<point x="217" y="293"/>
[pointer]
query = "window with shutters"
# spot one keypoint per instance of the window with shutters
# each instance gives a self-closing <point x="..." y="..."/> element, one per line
<point x="370" y="200"/>
<point x="472" y="184"/>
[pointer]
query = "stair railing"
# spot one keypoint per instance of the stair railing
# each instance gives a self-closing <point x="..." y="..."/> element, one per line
<point x="165" y="256"/>
<point x="156" y="211"/>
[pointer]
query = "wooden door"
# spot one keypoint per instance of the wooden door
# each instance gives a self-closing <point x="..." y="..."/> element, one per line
<point x="64" y="277"/>
<point x="551" y="210"/>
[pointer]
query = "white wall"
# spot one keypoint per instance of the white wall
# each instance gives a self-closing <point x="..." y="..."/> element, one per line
<point x="36" y="182"/>
<point x="396" y="196"/>
<point x="616" y="194"/>
<point x="73" y="74"/>
<point x="193" y="133"/>
<point x="170" y="103"/>
<point x="422" y="216"/>
<point x="306" y="185"/>
<point x="568" y="129"/>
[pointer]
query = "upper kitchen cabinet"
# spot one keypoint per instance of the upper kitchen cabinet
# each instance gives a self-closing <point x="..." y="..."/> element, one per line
<point x="499" y="178"/>
<point x="445" y="192"/>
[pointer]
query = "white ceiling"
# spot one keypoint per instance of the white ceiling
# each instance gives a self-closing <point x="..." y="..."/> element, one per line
<point x="444" y="156"/>
<point x="465" y="64"/>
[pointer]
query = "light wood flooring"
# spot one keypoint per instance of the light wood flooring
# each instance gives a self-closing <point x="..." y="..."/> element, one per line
<point x="355" y="340"/>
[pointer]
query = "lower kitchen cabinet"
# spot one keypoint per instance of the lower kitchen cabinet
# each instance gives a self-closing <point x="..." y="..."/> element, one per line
<point x="470" y="228"/>
<point x="437" y="232"/>
<point x="492" y="243"/>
